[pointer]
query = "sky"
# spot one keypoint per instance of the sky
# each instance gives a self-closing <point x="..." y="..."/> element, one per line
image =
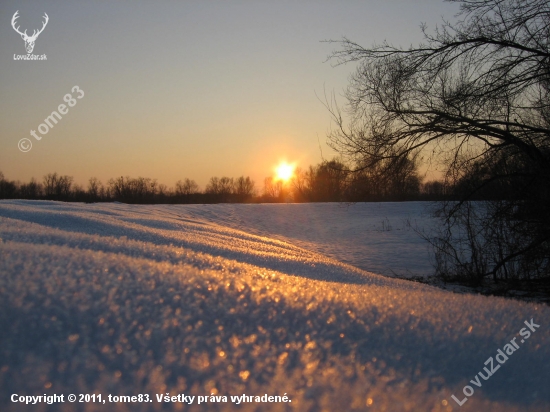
<point x="183" y="89"/>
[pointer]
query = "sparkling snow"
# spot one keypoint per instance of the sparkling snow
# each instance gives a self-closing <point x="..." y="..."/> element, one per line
<point x="365" y="235"/>
<point x="126" y="300"/>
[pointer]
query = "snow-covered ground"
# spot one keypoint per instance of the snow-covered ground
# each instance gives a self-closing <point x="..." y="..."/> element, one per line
<point x="379" y="237"/>
<point x="127" y="300"/>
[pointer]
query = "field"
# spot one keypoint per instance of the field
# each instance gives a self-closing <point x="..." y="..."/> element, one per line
<point x="229" y="300"/>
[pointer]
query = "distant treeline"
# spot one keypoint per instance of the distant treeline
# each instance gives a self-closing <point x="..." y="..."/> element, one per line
<point x="329" y="181"/>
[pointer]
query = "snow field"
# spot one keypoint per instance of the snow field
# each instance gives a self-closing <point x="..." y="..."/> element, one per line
<point x="123" y="300"/>
<point x="365" y="235"/>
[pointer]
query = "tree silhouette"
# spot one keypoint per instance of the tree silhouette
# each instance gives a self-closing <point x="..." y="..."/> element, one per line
<point x="57" y="187"/>
<point x="186" y="187"/>
<point x="473" y="95"/>
<point x="244" y="188"/>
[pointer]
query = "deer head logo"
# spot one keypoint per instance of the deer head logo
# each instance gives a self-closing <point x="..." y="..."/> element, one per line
<point x="29" y="40"/>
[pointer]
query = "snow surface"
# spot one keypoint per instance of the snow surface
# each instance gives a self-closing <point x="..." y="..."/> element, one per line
<point x="365" y="235"/>
<point x="123" y="299"/>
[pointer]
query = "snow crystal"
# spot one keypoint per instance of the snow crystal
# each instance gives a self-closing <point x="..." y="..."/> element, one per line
<point x="126" y="300"/>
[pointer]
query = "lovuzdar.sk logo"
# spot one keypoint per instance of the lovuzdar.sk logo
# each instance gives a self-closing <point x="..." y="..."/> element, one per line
<point x="29" y="40"/>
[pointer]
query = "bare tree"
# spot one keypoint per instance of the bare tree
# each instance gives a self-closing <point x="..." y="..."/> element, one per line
<point x="244" y="188"/>
<point x="57" y="187"/>
<point x="31" y="190"/>
<point x="327" y="182"/>
<point x="140" y="189"/>
<point x="186" y="187"/>
<point x="95" y="188"/>
<point x="7" y="188"/>
<point x="220" y="189"/>
<point x="162" y="190"/>
<point x="213" y="186"/>
<point x="118" y="188"/>
<point x="475" y="92"/>
<point x="299" y="186"/>
<point x="434" y="189"/>
<point x="226" y="186"/>
<point x="273" y="189"/>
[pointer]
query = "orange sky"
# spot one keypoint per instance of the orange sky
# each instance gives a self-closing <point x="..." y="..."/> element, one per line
<point x="183" y="89"/>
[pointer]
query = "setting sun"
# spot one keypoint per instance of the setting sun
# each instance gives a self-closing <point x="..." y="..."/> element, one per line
<point x="284" y="171"/>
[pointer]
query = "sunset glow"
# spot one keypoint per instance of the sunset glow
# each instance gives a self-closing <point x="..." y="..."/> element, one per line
<point x="284" y="172"/>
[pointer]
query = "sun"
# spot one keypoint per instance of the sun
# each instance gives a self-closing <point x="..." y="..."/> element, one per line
<point x="284" y="172"/>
